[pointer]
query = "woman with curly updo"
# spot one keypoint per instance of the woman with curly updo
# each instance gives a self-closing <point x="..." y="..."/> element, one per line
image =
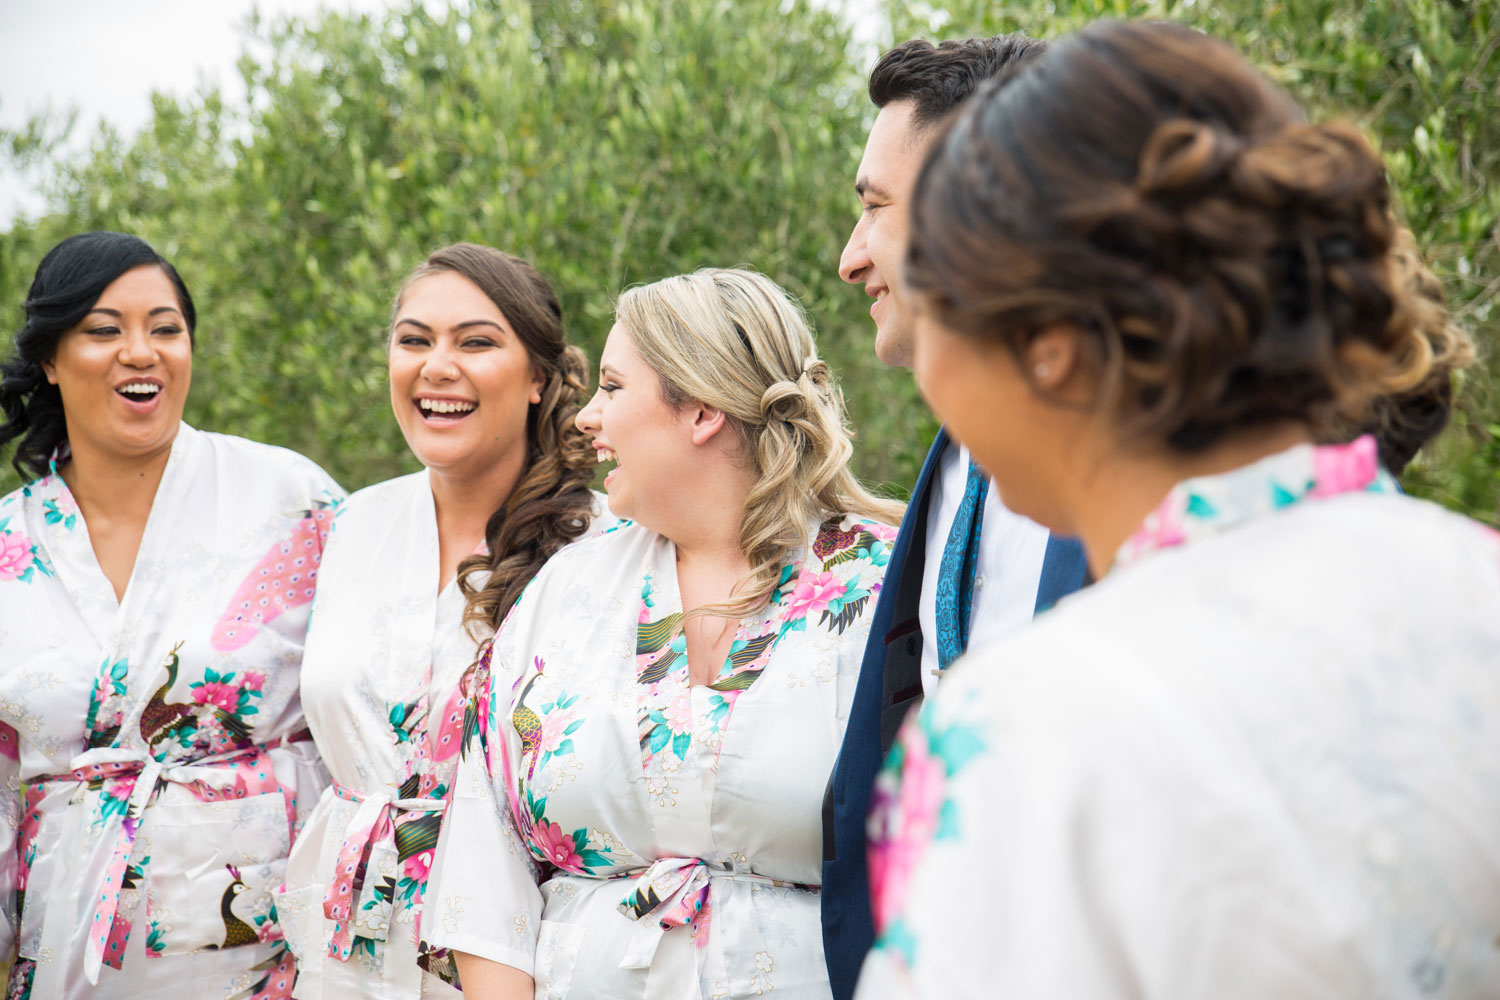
<point x="155" y="583"/>
<point x="1260" y="758"/>
<point x="637" y="810"/>
<point x="419" y="569"/>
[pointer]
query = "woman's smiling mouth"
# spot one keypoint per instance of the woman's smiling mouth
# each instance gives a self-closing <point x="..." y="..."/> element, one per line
<point x="140" y="395"/>
<point x="435" y="409"/>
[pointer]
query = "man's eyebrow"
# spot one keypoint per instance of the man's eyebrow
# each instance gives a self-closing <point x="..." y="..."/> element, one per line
<point x="865" y="186"/>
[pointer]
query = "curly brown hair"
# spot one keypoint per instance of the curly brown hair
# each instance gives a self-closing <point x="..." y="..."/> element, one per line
<point x="552" y="503"/>
<point x="1230" y="265"/>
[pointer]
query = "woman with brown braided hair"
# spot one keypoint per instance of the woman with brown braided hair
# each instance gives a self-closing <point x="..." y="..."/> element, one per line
<point x="486" y="391"/>
<point x="1260" y="758"/>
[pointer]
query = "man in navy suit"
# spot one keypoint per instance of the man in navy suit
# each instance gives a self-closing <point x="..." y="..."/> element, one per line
<point x="964" y="570"/>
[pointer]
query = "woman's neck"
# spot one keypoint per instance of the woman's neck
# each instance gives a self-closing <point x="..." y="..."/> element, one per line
<point x="119" y="488"/>
<point x="464" y="502"/>
<point x="705" y="521"/>
<point x="1120" y="489"/>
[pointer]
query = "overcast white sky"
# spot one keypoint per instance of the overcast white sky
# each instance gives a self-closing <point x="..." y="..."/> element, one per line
<point x="106" y="57"/>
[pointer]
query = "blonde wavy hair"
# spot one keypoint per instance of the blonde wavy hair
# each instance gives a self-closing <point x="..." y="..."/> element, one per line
<point x="735" y="340"/>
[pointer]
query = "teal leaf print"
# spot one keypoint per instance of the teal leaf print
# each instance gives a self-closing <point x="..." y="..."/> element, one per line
<point x="848" y="611"/>
<point x="956" y="746"/>
<point x="947" y="822"/>
<point x="680" y="744"/>
<point x="660" y="734"/>
<point x="1281" y="496"/>
<point x="1199" y="507"/>
<point x="899" y="939"/>
<point x="565" y="747"/>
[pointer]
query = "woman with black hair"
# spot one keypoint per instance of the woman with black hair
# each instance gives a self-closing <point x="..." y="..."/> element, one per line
<point x="155" y="583"/>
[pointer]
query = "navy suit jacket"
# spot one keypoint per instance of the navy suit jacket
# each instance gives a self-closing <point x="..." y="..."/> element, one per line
<point x="890" y="682"/>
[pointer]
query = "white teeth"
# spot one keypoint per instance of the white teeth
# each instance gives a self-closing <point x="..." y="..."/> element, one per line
<point x="606" y="455"/>
<point x="445" y="405"/>
<point x="141" y="388"/>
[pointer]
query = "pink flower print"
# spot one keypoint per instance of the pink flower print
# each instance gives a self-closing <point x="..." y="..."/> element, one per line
<point x="904" y="821"/>
<point x="218" y="694"/>
<point x="253" y="680"/>
<point x="15" y="555"/>
<point x="1162" y="528"/>
<point x="884" y="532"/>
<point x="10" y="743"/>
<point x="813" y="592"/>
<point x="554" y="730"/>
<point x="1344" y="468"/>
<point x="284" y="578"/>
<point x="557" y="847"/>
<point x="679" y="713"/>
<point x="417" y="866"/>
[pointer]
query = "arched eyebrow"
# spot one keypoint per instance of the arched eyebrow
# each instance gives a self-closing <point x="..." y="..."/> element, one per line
<point x="119" y="315"/>
<point x="465" y="325"/>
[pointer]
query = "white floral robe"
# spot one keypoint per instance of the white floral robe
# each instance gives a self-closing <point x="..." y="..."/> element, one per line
<point x="159" y="738"/>
<point x="380" y="685"/>
<point x="618" y="833"/>
<point x="1260" y="760"/>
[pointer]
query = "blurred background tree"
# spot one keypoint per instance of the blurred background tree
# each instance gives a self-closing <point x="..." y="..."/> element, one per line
<point x="614" y="143"/>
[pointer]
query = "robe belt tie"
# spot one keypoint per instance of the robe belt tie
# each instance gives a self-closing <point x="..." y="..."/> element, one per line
<point x="143" y="775"/>
<point x="676" y="892"/>
<point x="372" y="821"/>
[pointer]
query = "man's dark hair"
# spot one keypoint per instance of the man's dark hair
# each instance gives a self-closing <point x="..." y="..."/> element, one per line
<point x="938" y="78"/>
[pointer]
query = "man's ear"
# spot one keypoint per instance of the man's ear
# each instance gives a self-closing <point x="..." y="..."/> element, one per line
<point x="706" y="421"/>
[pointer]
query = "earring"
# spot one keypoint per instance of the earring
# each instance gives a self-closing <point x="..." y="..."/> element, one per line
<point x="1041" y="370"/>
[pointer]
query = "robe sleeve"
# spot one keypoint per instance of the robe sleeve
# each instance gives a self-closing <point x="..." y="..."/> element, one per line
<point x="10" y="813"/>
<point x="482" y="895"/>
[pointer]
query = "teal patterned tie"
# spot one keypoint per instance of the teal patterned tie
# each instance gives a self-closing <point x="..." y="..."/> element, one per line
<point x="955" y="589"/>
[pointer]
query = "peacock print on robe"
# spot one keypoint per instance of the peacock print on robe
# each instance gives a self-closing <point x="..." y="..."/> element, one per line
<point x="159" y="737"/>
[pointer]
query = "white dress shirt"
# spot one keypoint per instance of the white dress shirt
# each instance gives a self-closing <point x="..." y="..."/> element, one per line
<point x="1011" y="551"/>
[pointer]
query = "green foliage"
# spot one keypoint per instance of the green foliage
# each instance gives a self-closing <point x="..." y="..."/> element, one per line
<point x="607" y="143"/>
<point x="614" y="143"/>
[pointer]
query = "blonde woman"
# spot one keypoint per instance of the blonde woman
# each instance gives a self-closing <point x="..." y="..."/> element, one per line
<point x="486" y="391"/>
<point x="637" y="810"/>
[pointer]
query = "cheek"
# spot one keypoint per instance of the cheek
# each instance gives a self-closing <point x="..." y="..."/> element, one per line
<point x="400" y="371"/>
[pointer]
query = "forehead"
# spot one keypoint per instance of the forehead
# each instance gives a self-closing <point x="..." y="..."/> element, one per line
<point x="619" y="350"/>
<point x="447" y="291"/>
<point x="147" y="285"/>
<point x="894" y="150"/>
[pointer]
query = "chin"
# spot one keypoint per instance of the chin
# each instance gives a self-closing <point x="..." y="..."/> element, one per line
<point x="893" y="350"/>
<point x="618" y="507"/>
